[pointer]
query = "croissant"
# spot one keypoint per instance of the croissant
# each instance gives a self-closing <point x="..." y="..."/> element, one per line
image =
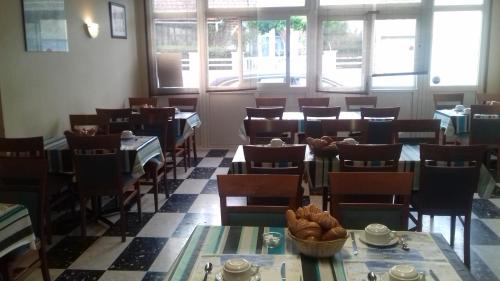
<point x="325" y="220"/>
<point x="334" y="233"/>
<point x="291" y="220"/>
<point x="307" y="228"/>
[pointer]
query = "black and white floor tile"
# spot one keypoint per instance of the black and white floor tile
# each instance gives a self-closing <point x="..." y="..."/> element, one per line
<point x="152" y="245"/>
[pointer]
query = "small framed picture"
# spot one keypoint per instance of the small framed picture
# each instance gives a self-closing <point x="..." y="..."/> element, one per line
<point x="118" y="18"/>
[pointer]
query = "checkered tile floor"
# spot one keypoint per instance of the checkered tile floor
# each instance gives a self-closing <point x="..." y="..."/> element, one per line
<point x="152" y="246"/>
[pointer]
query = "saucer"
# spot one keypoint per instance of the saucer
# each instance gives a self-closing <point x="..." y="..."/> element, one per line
<point x="391" y="242"/>
<point x="219" y="277"/>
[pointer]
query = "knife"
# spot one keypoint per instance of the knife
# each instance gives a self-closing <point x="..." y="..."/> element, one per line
<point x="283" y="271"/>
<point x="354" y="246"/>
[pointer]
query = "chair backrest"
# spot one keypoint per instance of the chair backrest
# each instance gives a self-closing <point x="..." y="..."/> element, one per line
<point x="484" y="109"/>
<point x="184" y="104"/>
<point x="484" y="98"/>
<point x="355" y="103"/>
<point x="117" y="120"/>
<point x="270" y="102"/>
<point x="420" y="126"/>
<point x="98" y="163"/>
<point x="274" y="160"/>
<point x="136" y="103"/>
<point x="323" y="102"/>
<point x="267" y="113"/>
<point x="312" y="128"/>
<point x="448" y="101"/>
<point x="342" y="128"/>
<point x="379" y="112"/>
<point x="449" y="177"/>
<point x="369" y="157"/>
<point x="161" y="122"/>
<point x="484" y="131"/>
<point x="22" y="147"/>
<point x="357" y="215"/>
<point x="257" y="186"/>
<point x="81" y="123"/>
<point x="262" y="131"/>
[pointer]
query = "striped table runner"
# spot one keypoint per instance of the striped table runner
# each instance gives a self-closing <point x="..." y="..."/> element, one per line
<point x="218" y="243"/>
<point x="454" y="123"/>
<point x="15" y="228"/>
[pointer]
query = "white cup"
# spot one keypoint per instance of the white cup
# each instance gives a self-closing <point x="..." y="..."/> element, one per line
<point x="378" y="233"/>
<point x="276" y="142"/>
<point x="238" y="270"/>
<point x="459" y="107"/>
<point x="405" y="272"/>
<point x="127" y="134"/>
<point x="467" y="110"/>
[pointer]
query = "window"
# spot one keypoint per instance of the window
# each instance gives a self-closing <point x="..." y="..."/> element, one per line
<point x="456" y="48"/>
<point x="342" y="55"/>
<point x="365" y="2"/>
<point x="225" y="4"/>
<point x="245" y="53"/>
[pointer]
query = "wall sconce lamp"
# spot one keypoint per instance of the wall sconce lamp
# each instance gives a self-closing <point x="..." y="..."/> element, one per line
<point x="92" y="29"/>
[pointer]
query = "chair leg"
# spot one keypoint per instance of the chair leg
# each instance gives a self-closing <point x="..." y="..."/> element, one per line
<point x="188" y="147"/>
<point x="419" y="222"/>
<point x="42" y="255"/>
<point x="155" y="186"/>
<point x="174" y="158"/>
<point x="4" y="270"/>
<point x="325" y="198"/>
<point x="452" y="230"/>
<point x="467" y="223"/>
<point x="194" y="145"/>
<point x="123" y="219"/>
<point x="184" y="153"/>
<point x="83" y="216"/>
<point x="138" y="199"/>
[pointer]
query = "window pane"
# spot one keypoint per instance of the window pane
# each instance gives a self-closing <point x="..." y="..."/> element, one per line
<point x="264" y="48"/>
<point x="176" y="53"/>
<point x="223" y="56"/>
<point x="365" y="2"/>
<point x="298" y="51"/>
<point x="342" y="55"/>
<point x="456" y="48"/>
<point x="394" y="52"/>
<point x="457" y="2"/>
<point x="166" y="6"/>
<point x="254" y="3"/>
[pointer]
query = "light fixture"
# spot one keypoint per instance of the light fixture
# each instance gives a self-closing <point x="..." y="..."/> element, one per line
<point x="92" y="28"/>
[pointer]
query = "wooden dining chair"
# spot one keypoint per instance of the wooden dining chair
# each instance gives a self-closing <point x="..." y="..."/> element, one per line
<point x="267" y="113"/>
<point x="137" y="103"/>
<point x="355" y="103"/>
<point x="449" y="176"/>
<point x="340" y="129"/>
<point x="448" y="101"/>
<point x="312" y="128"/>
<point x="421" y="130"/>
<point x="369" y="157"/>
<point x="284" y="187"/>
<point x="270" y="102"/>
<point x="88" y="123"/>
<point x="155" y="169"/>
<point x="485" y="98"/>
<point x="358" y="214"/>
<point x="26" y="174"/>
<point x="59" y="186"/>
<point x="276" y="160"/>
<point x="116" y="120"/>
<point x="379" y="112"/>
<point x="99" y="172"/>
<point x="262" y="131"/>
<point x="187" y="105"/>
<point x="318" y="102"/>
<point x="172" y="146"/>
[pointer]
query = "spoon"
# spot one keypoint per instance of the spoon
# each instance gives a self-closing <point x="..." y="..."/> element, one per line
<point x="371" y="276"/>
<point x="404" y="245"/>
<point x="208" y="268"/>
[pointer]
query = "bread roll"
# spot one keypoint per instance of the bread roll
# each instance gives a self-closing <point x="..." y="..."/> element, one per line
<point x="334" y="233"/>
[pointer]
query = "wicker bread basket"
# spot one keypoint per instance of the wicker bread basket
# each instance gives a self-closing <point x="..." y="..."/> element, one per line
<point x="317" y="249"/>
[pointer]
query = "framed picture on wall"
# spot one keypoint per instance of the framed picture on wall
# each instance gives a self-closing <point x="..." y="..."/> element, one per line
<point x="118" y="19"/>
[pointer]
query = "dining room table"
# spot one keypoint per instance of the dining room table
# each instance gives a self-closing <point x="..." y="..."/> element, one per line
<point x="429" y="253"/>
<point x="136" y="151"/>
<point x="317" y="169"/>
<point x="455" y="124"/>
<point x="16" y="229"/>
<point x="188" y="121"/>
